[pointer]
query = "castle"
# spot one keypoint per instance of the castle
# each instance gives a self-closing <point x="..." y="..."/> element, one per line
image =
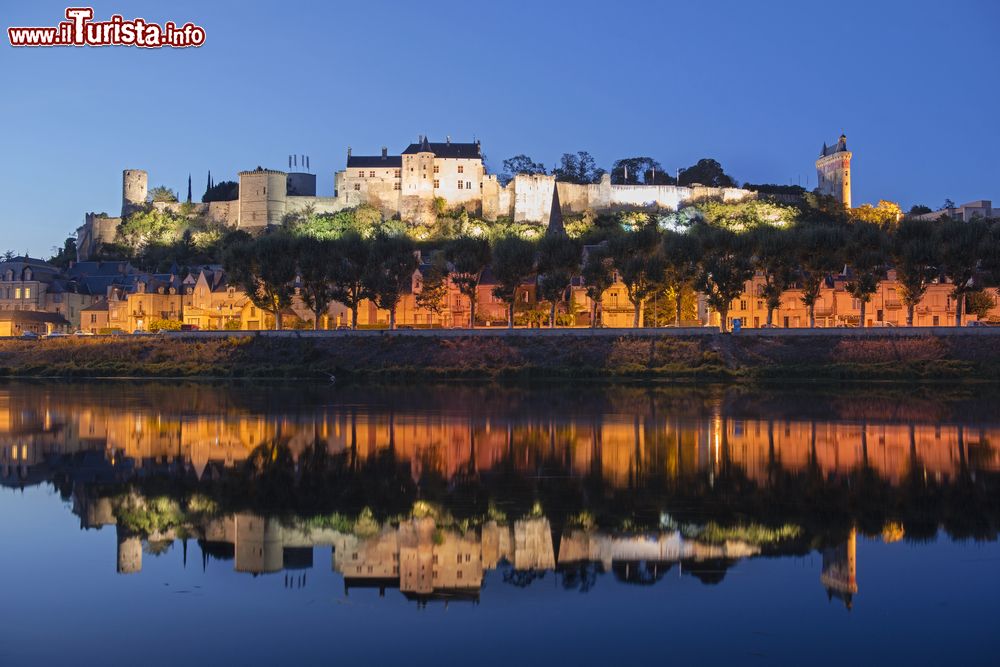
<point x="833" y="171"/>
<point x="404" y="186"/>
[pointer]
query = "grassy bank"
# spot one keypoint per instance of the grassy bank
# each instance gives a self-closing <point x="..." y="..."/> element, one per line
<point x="703" y="357"/>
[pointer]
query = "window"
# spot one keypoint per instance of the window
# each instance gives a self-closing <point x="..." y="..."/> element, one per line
<point x="398" y="173"/>
<point x="459" y="574"/>
<point x="361" y="174"/>
<point x="461" y="169"/>
<point x="937" y="320"/>
<point x="357" y="187"/>
<point x="17" y="292"/>
<point x="437" y="183"/>
<point x="743" y="304"/>
<point x="461" y="185"/>
<point x="437" y="169"/>
<point x="468" y="185"/>
<point x="371" y="174"/>
<point x="27" y="292"/>
<point x="395" y="186"/>
<point x="93" y="318"/>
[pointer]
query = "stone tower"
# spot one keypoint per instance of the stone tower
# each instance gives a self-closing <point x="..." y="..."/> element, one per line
<point x="833" y="171"/>
<point x="263" y="195"/>
<point x="135" y="187"/>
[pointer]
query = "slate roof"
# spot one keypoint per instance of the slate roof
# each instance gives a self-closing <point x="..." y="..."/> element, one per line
<point x="446" y="150"/>
<point x="375" y="162"/>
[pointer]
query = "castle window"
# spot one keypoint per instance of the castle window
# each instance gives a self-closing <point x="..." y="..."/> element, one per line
<point x="357" y="186"/>
<point x="395" y="186"/>
<point x="361" y="174"/>
<point x="397" y="174"/>
<point x="461" y="169"/>
<point x="461" y="185"/>
<point x="371" y="174"/>
<point x="468" y="185"/>
<point x="437" y="183"/>
<point x="437" y="169"/>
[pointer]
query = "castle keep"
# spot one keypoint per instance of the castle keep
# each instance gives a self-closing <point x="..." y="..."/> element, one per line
<point x="833" y="171"/>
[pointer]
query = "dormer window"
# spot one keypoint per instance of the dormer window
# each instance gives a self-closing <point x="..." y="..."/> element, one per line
<point x="27" y="274"/>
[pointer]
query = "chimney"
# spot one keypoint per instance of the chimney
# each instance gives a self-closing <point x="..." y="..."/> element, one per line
<point x="348" y="151"/>
<point x="447" y="139"/>
<point x="385" y="152"/>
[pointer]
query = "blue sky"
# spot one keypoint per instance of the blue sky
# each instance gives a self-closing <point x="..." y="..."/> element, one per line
<point x="757" y="85"/>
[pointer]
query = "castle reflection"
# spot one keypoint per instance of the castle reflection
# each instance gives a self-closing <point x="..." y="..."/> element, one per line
<point x="426" y="490"/>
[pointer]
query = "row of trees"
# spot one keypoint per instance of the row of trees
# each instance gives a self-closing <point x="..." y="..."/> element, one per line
<point x="581" y="168"/>
<point x="715" y="260"/>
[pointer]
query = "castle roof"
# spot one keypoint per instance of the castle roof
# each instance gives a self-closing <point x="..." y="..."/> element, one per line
<point x="838" y="147"/>
<point x="447" y="149"/>
<point x="374" y="161"/>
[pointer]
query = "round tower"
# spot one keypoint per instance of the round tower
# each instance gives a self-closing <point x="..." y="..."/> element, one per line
<point x="135" y="187"/>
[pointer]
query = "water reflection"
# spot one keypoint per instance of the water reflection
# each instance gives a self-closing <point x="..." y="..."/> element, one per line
<point x="426" y="490"/>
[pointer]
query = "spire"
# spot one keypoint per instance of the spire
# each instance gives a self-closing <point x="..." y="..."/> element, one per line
<point x="425" y="146"/>
<point x="556" y="227"/>
<point x="189" y="188"/>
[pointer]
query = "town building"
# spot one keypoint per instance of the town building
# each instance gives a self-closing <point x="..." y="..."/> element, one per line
<point x="981" y="208"/>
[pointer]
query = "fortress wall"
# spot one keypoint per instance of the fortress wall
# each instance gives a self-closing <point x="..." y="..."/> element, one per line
<point x="727" y="194"/>
<point x="491" y="198"/>
<point x="532" y="197"/>
<point x="319" y="204"/>
<point x="663" y="196"/>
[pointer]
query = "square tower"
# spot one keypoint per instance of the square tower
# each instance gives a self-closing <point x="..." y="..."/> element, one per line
<point x="833" y="171"/>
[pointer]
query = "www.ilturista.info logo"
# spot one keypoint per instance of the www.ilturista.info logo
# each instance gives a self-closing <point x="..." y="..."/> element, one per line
<point x="80" y="30"/>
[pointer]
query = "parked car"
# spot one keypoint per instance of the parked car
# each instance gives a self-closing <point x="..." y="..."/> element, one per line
<point x="30" y="335"/>
<point x="81" y="332"/>
<point x="57" y="334"/>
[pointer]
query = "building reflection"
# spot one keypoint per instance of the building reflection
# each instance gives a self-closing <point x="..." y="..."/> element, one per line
<point x="620" y="446"/>
<point x="99" y="444"/>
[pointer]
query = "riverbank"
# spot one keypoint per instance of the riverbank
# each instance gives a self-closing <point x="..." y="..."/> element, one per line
<point x="656" y="354"/>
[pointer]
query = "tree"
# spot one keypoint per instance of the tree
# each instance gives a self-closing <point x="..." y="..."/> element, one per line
<point x="265" y="269"/>
<point x="598" y="275"/>
<point x="433" y="286"/>
<point x="558" y="264"/>
<point x="513" y="263"/>
<point x="314" y="259"/>
<point x="637" y="260"/>
<point x="914" y="255"/>
<point x="919" y="209"/>
<point x="468" y="257"/>
<point x="725" y="267"/>
<point x="979" y="303"/>
<point x="161" y="193"/>
<point x="773" y="256"/>
<point x="391" y="263"/>
<point x="347" y="272"/>
<point x="707" y="172"/>
<point x="867" y="252"/>
<point x="681" y="252"/>
<point x="144" y="228"/>
<point x="579" y="168"/>
<point x="958" y="250"/>
<point x="886" y="213"/>
<point x="222" y="191"/>
<point x="817" y="249"/>
<point x="519" y="164"/>
<point x="635" y="170"/>
<point x="64" y="256"/>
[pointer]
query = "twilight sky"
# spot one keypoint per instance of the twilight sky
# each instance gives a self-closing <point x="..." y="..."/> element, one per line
<point x="757" y="85"/>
